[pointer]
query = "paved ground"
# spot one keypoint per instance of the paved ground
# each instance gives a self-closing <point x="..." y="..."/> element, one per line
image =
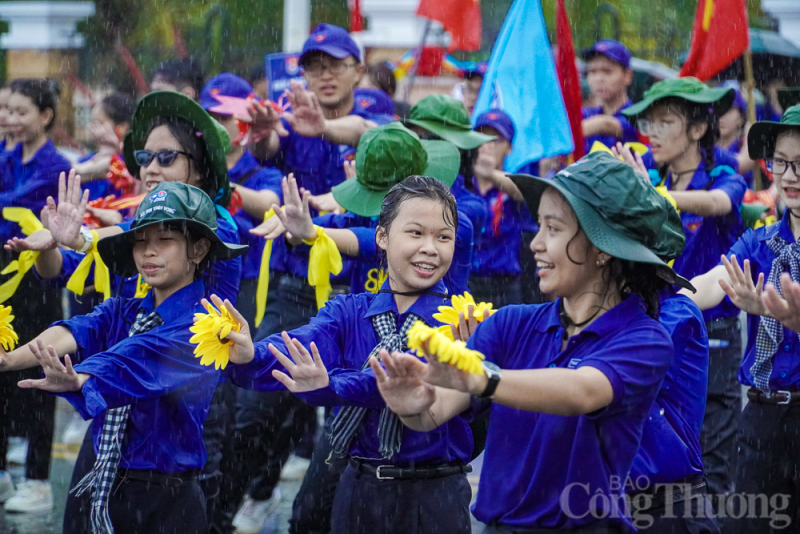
<point x="61" y="471"/>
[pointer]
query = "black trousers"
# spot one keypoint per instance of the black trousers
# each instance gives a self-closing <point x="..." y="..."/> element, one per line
<point x="691" y="516"/>
<point x="723" y="406"/>
<point x="768" y="471"/>
<point x="29" y="412"/>
<point x="140" y="507"/>
<point x="366" y="505"/>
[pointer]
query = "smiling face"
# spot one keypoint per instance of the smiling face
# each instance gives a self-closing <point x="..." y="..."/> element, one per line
<point x="419" y="245"/>
<point x="25" y="122"/>
<point x="181" y="170"/>
<point x="166" y="259"/>
<point x="787" y="148"/>
<point x="331" y="79"/>
<point x="566" y="259"/>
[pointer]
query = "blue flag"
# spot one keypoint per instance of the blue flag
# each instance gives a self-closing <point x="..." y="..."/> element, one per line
<point x="521" y="80"/>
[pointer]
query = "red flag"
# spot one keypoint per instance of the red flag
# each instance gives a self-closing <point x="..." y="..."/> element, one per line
<point x="356" y="20"/>
<point x="568" y="77"/>
<point x="719" y="35"/>
<point x="461" y="18"/>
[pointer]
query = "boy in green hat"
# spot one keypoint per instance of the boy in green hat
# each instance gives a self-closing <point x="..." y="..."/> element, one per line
<point x="680" y="116"/>
<point x="768" y="256"/>
<point x="136" y="373"/>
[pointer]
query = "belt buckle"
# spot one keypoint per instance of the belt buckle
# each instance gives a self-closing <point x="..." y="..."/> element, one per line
<point x="788" y="397"/>
<point x="378" y="473"/>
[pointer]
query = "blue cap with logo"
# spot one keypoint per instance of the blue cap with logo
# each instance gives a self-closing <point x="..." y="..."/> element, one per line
<point x="374" y="100"/>
<point x="613" y="50"/>
<point x="332" y="40"/>
<point x="225" y="84"/>
<point x="500" y="121"/>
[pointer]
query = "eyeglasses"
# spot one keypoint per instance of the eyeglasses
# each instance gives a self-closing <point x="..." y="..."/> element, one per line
<point x="316" y="68"/>
<point x="658" y="129"/>
<point x="165" y="158"/>
<point x="780" y="166"/>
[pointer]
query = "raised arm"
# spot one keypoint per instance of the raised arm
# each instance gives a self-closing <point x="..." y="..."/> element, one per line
<point x="709" y="291"/>
<point x="58" y="337"/>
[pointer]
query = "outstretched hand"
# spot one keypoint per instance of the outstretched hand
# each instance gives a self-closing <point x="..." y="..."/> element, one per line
<point x="632" y="159"/>
<point x="265" y="120"/>
<point x="37" y="241"/>
<point x="58" y="377"/>
<point x="295" y="214"/>
<point x="786" y="308"/>
<point x="242" y="350"/>
<point x="306" y="116"/>
<point x="745" y="295"/>
<point x="308" y="372"/>
<point x="466" y="325"/>
<point x="66" y="218"/>
<point x="401" y="385"/>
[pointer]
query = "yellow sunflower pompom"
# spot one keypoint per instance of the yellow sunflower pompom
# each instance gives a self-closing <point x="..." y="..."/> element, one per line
<point x="8" y="338"/>
<point x="444" y="348"/>
<point x="209" y="331"/>
<point x="449" y="314"/>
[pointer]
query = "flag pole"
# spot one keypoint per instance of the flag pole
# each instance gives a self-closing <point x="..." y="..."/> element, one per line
<point x="751" y="106"/>
<point x="413" y="74"/>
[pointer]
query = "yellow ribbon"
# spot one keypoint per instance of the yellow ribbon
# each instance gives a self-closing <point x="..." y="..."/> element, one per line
<point x="323" y="260"/>
<point x="638" y="148"/>
<point x="263" y="276"/>
<point x="102" y="278"/>
<point x="664" y="192"/>
<point x="29" y="224"/>
<point x="142" y="288"/>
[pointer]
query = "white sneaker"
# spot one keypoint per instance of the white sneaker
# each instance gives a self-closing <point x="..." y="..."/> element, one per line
<point x="6" y="486"/>
<point x="295" y="468"/>
<point x="75" y="431"/>
<point x="251" y="516"/>
<point x="17" y="451"/>
<point x="31" y="496"/>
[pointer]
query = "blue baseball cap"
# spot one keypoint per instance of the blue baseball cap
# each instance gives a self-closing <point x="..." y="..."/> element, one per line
<point x="374" y="100"/>
<point x="475" y="69"/>
<point x="224" y="84"/>
<point x="500" y="121"/>
<point x="332" y="40"/>
<point x="613" y="50"/>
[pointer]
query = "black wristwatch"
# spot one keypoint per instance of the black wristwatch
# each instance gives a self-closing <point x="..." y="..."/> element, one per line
<point x="494" y="374"/>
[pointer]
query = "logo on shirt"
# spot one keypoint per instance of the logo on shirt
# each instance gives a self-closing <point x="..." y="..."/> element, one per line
<point x="692" y="224"/>
<point x="574" y="363"/>
<point x="365" y="102"/>
<point x="161" y="196"/>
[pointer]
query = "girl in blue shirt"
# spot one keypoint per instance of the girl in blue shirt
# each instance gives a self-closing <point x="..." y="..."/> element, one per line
<point x="769" y="256"/>
<point x="136" y="373"/>
<point x="572" y="380"/>
<point x="397" y="480"/>
<point x="680" y="116"/>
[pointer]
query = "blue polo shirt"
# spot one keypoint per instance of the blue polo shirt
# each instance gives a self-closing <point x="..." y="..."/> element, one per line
<point x="222" y="279"/>
<point x="786" y="362"/>
<point x="629" y="132"/>
<point x="345" y="337"/>
<point x="708" y="238"/>
<point x="257" y="178"/>
<point x="155" y="372"/>
<point x="471" y="204"/>
<point x="537" y="466"/>
<point x="497" y="254"/>
<point x="365" y="271"/>
<point x="670" y="446"/>
<point x="27" y="185"/>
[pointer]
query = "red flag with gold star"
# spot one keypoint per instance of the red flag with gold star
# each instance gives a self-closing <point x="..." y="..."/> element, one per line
<point x="460" y="18"/>
<point x="719" y="35"/>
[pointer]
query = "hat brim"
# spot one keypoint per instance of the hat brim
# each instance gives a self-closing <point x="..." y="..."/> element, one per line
<point x="721" y="99"/>
<point x="170" y="103"/>
<point x="333" y="51"/>
<point x="117" y="250"/>
<point x="444" y="161"/>
<point x="463" y="139"/>
<point x="762" y="137"/>
<point x="601" y="235"/>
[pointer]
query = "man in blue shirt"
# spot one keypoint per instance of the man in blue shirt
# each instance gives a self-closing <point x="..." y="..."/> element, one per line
<point x="609" y="74"/>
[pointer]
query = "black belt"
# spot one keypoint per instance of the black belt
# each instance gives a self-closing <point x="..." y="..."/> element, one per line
<point x="774" y="397"/>
<point x="673" y="493"/>
<point x="394" y="472"/>
<point x="157" y="477"/>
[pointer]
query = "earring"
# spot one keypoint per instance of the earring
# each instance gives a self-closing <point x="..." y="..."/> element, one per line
<point x="601" y="263"/>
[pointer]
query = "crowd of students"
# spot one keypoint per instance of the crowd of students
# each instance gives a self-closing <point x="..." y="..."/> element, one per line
<point x="609" y="398"/>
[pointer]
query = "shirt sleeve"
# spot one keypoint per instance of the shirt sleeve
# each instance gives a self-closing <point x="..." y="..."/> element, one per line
<point x="267" y="179"/>
<point x="92" y="331"/>
<point x="732" y="185"/>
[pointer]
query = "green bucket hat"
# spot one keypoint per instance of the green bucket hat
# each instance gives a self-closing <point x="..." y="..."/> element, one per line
<point x="174" y="104"/>
<point x="762" y="136"/>
<point x="788" y="97"/>
<point x="170" y="202"/>
<point x="448" y="118"/>
<point x="386" y="156"/>
<point x="620" y="212"/>
<point x="690" y="89"/>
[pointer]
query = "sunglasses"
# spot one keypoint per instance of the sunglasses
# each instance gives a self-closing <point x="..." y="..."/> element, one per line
<point x="165" y="158"/>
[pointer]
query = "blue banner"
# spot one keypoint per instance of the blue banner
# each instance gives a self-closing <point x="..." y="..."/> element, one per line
<point x="521" y="80"/>
<point x="281" y="69"/>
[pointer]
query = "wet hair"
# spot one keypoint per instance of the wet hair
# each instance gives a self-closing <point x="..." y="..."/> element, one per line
<point x="43" y="92"/>
<point x="191" y="141"/>
<point x="182" y="73"/>
<point x="696" y="114"/>
<point x="423" y="187"/>
<point x="383" y="78"/>
<point x="118" y="107"/>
